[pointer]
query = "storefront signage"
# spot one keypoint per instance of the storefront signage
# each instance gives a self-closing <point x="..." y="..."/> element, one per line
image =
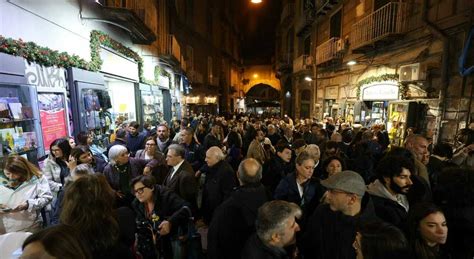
<point x="210" y="99"/>
<point x="164" y="81"/>
<point x="41" y="76"/>
<point x="53" y="117"/>
<point x="331" y="92"/>
<point x="192" y="100"/>
<point x="117" y="65"/>
<point x="380" y="91"/>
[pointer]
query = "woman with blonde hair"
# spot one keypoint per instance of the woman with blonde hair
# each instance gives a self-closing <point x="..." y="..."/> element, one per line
<point x="23" y="197"/>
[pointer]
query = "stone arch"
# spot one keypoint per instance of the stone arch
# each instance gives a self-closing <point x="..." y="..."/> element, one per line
<point x="270" y="82"/>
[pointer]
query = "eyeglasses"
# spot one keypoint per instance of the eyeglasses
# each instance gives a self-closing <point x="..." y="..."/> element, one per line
<point x="140" y="190"/>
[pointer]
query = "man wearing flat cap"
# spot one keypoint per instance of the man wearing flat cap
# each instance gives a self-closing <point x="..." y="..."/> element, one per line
<point x="332" y="227"/>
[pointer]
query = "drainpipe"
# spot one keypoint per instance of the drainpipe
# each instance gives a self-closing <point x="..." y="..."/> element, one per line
<point x="438" y="33"/>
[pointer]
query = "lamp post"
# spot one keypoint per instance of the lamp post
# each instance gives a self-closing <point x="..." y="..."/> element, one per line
<point x="256" y="1"/>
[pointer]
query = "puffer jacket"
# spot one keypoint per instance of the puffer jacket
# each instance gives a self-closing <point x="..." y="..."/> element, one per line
<point x="52" y="172"/>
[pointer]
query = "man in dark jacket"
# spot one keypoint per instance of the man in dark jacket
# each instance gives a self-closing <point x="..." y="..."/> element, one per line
<point x="276" y="230"/>
<point x="234" y="220"/>
<point x="277" y="167"/>
<point x="331" y="229"/>
<point x="193" y="152"/>
<point x="219" y="183"/>
<point x="181" y="179"/>
<point x="120" y="139"/>
<point x="212" y="139"/>
<point x="135" y="140"/>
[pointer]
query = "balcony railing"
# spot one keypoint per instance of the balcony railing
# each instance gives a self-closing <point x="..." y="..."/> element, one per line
<point x="284" y="61"/>
<point x="305" y="21"/>
<point x="329" y="50"/>
<point x="287" y="13"/>
<point x="387" y="20"/>
<point x="303" y="62"/>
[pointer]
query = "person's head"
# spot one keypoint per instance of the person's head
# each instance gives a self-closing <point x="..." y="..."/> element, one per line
<point x="314" y="151"/>
<point x="331" y="148"/>
<point x="379" y="239"/>
<point x="260" y="135"/>
<point x="394" y="172"/>
<point x="187" y="134"/>
<point x="60" y="241"/>
<point x="288" y="132"/>
<point x="345" y="191"/>
<point x="82" y="155"/>
<point x="215" y="130"/>
<point x="84" y="138"/>
<point x="271" y="129"/>
<point x="283" y="151"/>
<point x="163" y="132"/>
<point x="336" y="137"/>
<point x="121" y="134"/>
<point x="333" y="165"/>
<point x="298" y="146"/>
<point x="234" y="140"/>
<point x="18" y="169"/>
<point x="249" y="171"/>
<point x="60" y="149"/>
<point x="427" y="225"/>
<point x="133" y="128"/>
<point x="118" y="155"/>
<point x="143" y="187"/>
<point x="88" y="208"/>
<point x="304" y="166"/>
<point x="175" y="154"/>
<point x="80" y="171"/>
<point x="72" y="142"/>
<point x="276" y="223"/>
<point x="443" y="150"/>
<point x="150" y="145"/>
<point x="418" y="145"/>
<point x="213" y="156"/>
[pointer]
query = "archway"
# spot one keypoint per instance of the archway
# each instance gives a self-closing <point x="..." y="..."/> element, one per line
<point x="263" y="98"/>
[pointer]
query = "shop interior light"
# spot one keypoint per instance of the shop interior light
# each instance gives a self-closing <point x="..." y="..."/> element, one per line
<point x="255" y="1"/>
<point x="308" y="78"/>
<point x="351" y="63"/>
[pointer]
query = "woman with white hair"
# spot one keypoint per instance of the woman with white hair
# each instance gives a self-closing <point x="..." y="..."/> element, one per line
<point x="122" y="169"/>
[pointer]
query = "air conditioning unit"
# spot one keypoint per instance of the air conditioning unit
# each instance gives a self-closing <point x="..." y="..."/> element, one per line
<point x="412" y="72"/>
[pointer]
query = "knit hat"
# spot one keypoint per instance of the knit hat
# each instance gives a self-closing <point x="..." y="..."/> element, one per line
<point x="347" y="181"/>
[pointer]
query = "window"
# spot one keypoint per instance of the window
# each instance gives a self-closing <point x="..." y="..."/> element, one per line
<point x="335" y="27"/>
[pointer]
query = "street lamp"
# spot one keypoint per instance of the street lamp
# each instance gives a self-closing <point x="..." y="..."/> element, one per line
<point x="255" y="1"/>
<point x="308" y="78"/>
<point x="351" y="62"/>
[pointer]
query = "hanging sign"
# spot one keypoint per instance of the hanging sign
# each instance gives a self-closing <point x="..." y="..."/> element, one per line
<point x="53" y="117"/>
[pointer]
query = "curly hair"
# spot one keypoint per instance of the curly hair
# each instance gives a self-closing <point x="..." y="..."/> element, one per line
<point x="87" y="208"/>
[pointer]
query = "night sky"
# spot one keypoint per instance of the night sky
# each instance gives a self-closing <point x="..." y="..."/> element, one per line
<point x="258" y="24"/>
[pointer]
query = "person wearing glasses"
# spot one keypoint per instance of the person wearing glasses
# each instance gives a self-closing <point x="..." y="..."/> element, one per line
<point x="56" y="165"/>
<point x="331" y="229"/>
<point x="151" y="152"/>
<point x="159" y="212"/>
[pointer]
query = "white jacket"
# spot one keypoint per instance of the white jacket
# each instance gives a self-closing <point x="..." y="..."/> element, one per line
<point x="52" y="171"/>
<point x="38" y="194"/>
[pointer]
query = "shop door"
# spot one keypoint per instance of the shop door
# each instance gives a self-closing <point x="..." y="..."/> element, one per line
<point x="167" y="105"/>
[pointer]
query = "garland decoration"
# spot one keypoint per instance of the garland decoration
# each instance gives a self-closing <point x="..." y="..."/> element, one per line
<point x="385" y="77"/>
<point x="48" y="57"/>
<point x="41" y="55"/>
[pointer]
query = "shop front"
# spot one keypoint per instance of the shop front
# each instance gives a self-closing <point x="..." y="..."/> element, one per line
<point x="201" y="104"/>
<point x="331" y="107"/>
<point x="372" y="109"/>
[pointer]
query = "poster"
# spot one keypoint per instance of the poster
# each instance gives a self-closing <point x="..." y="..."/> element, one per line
<point x="53" y="117"/>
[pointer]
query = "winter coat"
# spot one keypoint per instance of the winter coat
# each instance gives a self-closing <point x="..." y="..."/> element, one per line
<point x="37" y="193"/>
<point x="273" y="171"/>
<point x="256" y="249"/>
<point x="234" y="221"/>
<point x="52" y="172"/>
<point x="161" y="170"/>
<point x="184" y="184"/>
<point x="219" y="183"/>
<point x="330" y="234"/>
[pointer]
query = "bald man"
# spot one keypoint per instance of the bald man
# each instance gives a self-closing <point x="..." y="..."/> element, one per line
<point x="234" y="219"/>
<point x="219" y="183"/>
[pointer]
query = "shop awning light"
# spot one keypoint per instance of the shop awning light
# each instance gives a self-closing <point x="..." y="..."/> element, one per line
<point x="351" y="63"/>
<point x="308" y="78"/>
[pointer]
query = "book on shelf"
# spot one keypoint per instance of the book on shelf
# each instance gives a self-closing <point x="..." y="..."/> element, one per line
<point x="15" y="109"/>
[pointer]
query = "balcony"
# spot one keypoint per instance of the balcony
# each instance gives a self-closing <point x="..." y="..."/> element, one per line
<point x="284" y="62"/>
<point x="170" y="49"/>
<point x="195" y="77"/>
<point x="381" y="26"/>
<point x="302" y="63"/>
<point x="329" y="51"/>
<point x="130" y="16"/>
<point x="323" y="7"/>
<point x="287" y="14"/>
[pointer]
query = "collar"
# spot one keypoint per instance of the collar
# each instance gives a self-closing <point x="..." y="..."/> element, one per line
<point x="176" y="167"/>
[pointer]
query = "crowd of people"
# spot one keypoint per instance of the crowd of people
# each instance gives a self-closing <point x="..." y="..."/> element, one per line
<point x="243" y="187"/>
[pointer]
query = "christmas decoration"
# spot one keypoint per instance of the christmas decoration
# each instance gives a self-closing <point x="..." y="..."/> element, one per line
<point x="385" y="77"/>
